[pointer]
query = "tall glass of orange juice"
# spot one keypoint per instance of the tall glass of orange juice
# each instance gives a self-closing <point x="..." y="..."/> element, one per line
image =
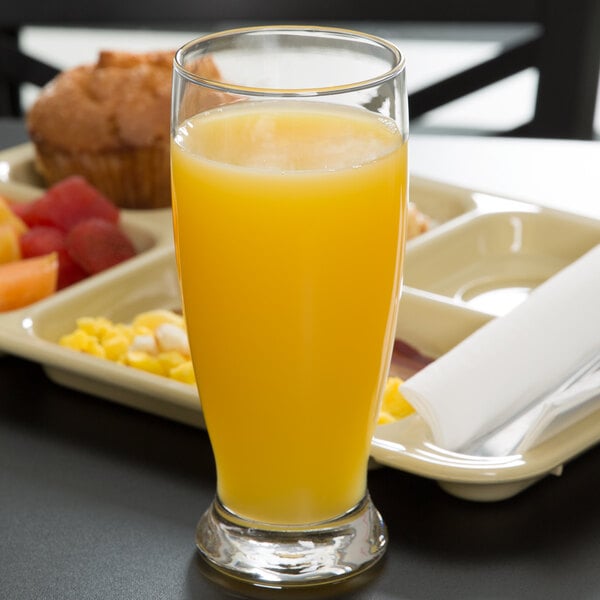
<point x="289" y="173"/>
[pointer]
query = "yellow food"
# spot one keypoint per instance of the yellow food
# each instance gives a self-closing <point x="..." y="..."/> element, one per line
<point x="393" y="406"/>
<point x="8" y="217"/>
<point x="152" y="319"/>
<point x="9" y="244"/>
<point x="138" y="345"/>
<point x="154" y="342"/>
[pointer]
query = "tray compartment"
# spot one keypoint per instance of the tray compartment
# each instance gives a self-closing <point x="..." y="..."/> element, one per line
<point x="480" y="267"/>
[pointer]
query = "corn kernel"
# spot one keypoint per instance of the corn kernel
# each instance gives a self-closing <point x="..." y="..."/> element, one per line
<point x="170" y="360"/>
<point x="153" y="318"/>
<point x="76" y="340"/>
<point x="143" y="361"/>
<point x="96" y="326"/>
<point x="141" y="330"/>
<point x="95" y="348"/>
<point x="184" y="372"/>
<point x="125" y="330"/>
<point x="385" y="418"/>
<point x="394" y="403"/>
<point x="116" y="347"/>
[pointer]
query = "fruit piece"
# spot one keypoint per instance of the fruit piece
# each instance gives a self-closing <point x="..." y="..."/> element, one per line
<point x="9" y="244"/>
<point x="40" y="240"/>
<point x="96" y="245"/>
<point x="9" y="217"/>
<point x="69" y="202"/>
<point x="69" y="272"/>
<point x="25" y="281"/>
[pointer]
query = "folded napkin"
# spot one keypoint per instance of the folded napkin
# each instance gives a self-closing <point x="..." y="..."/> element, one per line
<point x="511" y="366"/>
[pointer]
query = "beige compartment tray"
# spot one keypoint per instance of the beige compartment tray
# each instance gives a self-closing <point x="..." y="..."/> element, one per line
<point x="481" y="264"/>
<point x="472" y="233"/>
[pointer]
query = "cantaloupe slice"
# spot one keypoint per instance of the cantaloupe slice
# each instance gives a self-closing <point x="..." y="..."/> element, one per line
<point x="9" y="244"/>
<point x="26" y="281"/>
<point x="8" y="217"/>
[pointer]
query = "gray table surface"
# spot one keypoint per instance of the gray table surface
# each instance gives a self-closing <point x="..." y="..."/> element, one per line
<point x="98" y="501"/>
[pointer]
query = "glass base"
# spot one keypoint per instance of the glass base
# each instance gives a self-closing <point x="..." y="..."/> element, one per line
<point x="292" y="556"/>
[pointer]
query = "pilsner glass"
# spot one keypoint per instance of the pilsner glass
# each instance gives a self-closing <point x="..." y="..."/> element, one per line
<point x="289" y="173"/>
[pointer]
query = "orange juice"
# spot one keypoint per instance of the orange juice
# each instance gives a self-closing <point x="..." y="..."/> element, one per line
<point x="289" y="221"/>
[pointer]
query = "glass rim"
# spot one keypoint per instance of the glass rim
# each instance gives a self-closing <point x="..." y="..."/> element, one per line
<point x="396" y="68"/>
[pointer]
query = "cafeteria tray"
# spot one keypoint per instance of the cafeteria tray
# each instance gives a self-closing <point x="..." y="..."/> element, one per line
<point x="481" y="256"/>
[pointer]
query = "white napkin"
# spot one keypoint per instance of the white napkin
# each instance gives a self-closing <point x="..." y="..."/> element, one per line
<point x="512" y="365"/>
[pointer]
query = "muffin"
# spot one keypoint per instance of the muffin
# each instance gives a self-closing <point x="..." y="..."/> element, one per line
<point x="110" y="123"/>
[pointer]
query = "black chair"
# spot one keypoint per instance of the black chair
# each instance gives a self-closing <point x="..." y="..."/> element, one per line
<point x="565" y="50"/>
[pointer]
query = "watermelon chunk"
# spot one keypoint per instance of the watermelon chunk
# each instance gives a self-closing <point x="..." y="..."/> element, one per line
<point x="40" y="240"/>
<point x="96" y="245"/>
<point x="69" y="272"/>
<point x="68" y="203"/>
